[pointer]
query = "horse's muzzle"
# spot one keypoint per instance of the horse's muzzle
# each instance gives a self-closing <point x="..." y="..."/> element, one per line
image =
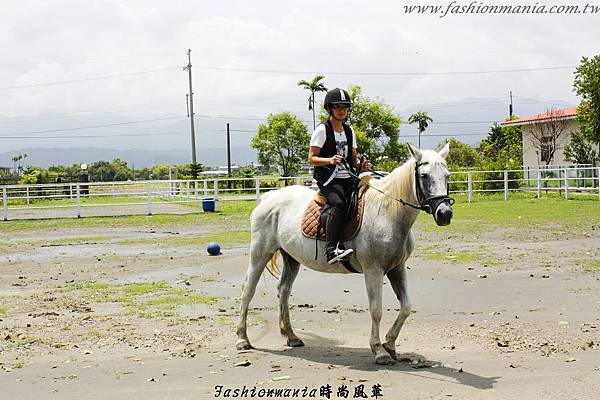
<point x="442" y="212"/>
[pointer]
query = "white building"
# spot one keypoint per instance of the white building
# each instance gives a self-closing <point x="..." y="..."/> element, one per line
<point x="538" y="133"/>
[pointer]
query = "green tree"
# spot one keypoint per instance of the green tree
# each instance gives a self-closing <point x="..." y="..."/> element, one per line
<point x="579" y="150"/>
<point x="503" y="144"/>
<point x="377" y="129"/>
<point x="31" y="176"/>
<point x="461" y="155"/>
<point x="282" y="142"/>
<point x="422" y="120"/>
<point x="587" y="85"/>
<point x="313" y="87"/>
<point x="160" y="172"/>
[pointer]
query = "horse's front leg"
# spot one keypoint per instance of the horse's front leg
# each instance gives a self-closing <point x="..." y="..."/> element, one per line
<point x="397" y="277"/>
<point x="374" y="283"/>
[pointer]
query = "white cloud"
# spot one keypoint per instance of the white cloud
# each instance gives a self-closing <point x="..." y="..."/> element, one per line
<point x="65" y="40"/>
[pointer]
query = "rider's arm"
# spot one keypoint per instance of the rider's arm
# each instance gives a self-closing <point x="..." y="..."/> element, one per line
<point x="316" y="161"/>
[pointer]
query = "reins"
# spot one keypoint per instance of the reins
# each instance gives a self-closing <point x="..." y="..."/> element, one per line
<point x="405" y="203"/>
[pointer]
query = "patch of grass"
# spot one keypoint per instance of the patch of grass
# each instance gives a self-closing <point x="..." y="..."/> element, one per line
<point x="144" y="299"/>
<point x="517" y="217"/>
<point x="4" y="311"/>
<point x="588" y="264"/>
<point x="460" y="257"/>
<point x="230" y="213"/>
<point x="181" y="299"/>
<point x="93" y="332"/>
<point x="19" y="363"/>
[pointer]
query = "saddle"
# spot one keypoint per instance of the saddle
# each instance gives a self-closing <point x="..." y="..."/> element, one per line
<point x="314" y="219"/>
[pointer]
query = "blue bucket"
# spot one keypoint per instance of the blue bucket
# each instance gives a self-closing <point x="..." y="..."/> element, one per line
<point x="208" y="204"/>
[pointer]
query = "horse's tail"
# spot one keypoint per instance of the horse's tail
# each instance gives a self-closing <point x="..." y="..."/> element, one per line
<point x="272" y="265"/>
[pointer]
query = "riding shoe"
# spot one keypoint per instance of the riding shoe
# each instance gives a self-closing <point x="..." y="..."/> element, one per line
<point x="338" y="254"/>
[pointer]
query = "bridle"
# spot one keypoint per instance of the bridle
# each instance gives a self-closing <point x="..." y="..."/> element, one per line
<point x="424" y="203"/>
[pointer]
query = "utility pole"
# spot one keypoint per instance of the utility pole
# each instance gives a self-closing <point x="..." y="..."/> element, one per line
<point x="228" y="153"/>
<point x="510" y="107"/>
<point x="191" y="105"/>
<point x="228" y="158"/>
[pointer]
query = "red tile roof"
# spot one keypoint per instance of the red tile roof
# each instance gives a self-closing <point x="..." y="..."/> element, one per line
<point x="565" y="113"/>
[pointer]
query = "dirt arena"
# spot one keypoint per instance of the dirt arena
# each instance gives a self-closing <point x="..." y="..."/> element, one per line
<point x="143" y="312"/>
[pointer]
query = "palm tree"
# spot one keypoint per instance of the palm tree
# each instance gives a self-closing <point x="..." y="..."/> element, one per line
<point x="422" y="119"/>
<point x="313" y="87"/>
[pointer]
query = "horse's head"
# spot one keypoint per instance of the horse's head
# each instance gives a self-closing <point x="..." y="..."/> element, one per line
<point x="431" y="183"/>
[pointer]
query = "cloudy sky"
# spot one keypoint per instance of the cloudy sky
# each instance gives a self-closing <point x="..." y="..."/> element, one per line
<point x="109" y="73"/>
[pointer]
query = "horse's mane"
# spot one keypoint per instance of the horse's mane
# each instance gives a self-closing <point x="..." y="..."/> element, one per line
<point x="399" y="184"/>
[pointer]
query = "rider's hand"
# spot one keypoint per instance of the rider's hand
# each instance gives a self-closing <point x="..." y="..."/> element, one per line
<point x="336" y="160"/>
<point x="366" y="166"/>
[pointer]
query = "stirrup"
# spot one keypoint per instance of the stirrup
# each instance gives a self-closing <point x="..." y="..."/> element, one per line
<point x="338" y="255"/>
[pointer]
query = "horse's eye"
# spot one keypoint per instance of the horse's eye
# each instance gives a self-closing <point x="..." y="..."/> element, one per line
<point x="424" y="176"/>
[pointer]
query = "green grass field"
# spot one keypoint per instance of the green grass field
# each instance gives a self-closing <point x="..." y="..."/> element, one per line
<point x="486" y="212"/>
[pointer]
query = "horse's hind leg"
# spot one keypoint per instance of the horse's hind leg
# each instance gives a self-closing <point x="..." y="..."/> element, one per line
<point x="397" y="277"/>
<point x="288" y="275"/>
<point x="259" y="257"/>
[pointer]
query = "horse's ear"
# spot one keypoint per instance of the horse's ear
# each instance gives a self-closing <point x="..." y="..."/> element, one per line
<point x="416" y="153"/>
<point x="444" y="152"/>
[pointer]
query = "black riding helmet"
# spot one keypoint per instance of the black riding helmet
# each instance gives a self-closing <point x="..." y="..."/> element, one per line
<point x="336" y="96"/>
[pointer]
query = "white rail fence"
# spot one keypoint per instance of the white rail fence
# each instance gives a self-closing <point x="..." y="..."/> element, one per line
<point x="148" y="197"/>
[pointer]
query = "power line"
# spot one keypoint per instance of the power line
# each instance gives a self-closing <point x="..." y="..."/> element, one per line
<point x="97" y="78"/>
<point x="92" y="136"/>
<point x="357" y="73"/>
<point x="93" y="126"/>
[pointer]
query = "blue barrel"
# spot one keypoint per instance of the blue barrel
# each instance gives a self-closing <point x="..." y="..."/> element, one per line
<point x="208" y="204"/>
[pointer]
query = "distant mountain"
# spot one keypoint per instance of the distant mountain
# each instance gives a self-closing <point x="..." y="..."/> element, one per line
<point x="45" y="157"/>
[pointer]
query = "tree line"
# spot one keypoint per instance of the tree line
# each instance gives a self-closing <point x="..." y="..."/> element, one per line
<point x="282" y="142"/>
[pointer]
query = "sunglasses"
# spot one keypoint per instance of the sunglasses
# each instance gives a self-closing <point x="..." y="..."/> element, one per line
<point x="339" y="107"/>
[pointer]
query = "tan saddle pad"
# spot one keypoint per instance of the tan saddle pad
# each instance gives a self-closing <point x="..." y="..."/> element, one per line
<point x="312" y="214"/>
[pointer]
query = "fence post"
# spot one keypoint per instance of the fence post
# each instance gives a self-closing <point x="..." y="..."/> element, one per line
<point x="216" y="188"/>
<point x="297" y="180"/>
<point x="505" y="185"/>
<point x="539" y="184"/>
<point x="78" y="202"/>
<point x="27" y="189"/>
<point x="205" y="188"/>
<point x="70" y="191"/>
<point x="149" y="198"/>
<point x="566" y="184"/>
<point x="470" y="187"/>
<point x="195" y="193"/>
<point x="258" y="190"/>
<point x="5" y="203"/>
<point x="187" y="192"/>
<point x="598" y="176"/>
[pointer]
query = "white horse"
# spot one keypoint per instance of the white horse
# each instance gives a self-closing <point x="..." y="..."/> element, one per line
<point x="381" y="247"/>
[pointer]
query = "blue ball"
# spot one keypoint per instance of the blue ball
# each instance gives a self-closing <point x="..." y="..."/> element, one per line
<point x="213" y="249"/>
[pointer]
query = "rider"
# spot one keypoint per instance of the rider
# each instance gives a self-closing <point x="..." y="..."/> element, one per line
<point x="332" y="151"/>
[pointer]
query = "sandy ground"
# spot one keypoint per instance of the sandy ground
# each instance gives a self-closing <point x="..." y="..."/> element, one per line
<point x="526" y="325"/>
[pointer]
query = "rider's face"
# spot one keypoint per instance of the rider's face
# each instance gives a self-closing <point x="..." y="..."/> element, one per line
<point x="340" y="111"/>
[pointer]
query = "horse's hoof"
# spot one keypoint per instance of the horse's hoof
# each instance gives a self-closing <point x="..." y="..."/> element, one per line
<point x="243" y="345"/>
<point x="384" y="359"/>
<point x="391" y="351"/>
<point x="295" y="342"/>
